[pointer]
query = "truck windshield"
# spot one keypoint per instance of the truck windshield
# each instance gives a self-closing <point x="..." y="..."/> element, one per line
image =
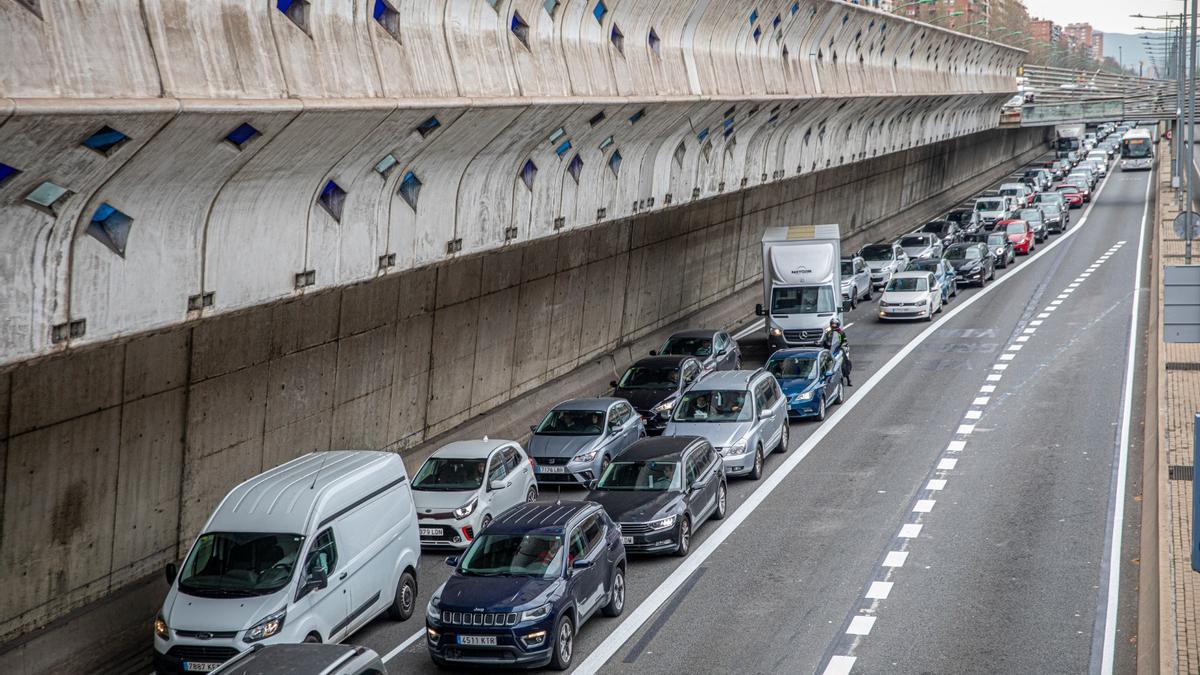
<point x="239" y="564"/>
<point x="802" y="300"/>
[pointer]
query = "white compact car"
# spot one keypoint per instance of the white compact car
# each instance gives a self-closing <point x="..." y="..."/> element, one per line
<point x="911" y="295"/>
<point x="309" y="551"/>
<point x="455" y="502"/>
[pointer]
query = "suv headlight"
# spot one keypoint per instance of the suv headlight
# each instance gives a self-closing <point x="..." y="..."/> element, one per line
<point x="432" y="610"/>
<point x="466" y="509"/>
<point x="585" y="456"/>
<point x="662" y="523"/>
<point x="266" y="628"/>
<point x="663" y="407"/>
<point x="537" y="613"/>
<point x="160" y="627"/>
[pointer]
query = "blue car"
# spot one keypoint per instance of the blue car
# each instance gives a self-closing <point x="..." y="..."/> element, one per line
<point x="519" y="594"/>
<point x="811" y="380"/>
<point x="943" y="271"/>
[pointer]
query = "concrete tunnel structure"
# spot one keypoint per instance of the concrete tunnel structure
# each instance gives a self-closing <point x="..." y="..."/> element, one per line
<point x="235" y="231"/>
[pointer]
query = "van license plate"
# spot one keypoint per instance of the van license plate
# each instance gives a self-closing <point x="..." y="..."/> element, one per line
<point x="477" y="640"/>
<point x="198" y="667"/>
<point x="626" y="540"/>
<point x="431" y="531"/>
<point x="551" y="469"/>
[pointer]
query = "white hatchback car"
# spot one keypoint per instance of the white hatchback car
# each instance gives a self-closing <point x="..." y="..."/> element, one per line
<point x="911" y="295"/>
<point x="454" y="502"/>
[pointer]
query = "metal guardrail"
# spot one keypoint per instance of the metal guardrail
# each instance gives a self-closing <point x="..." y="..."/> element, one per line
<point x="1143" y="97"/>
<point x="1043" y="114"/>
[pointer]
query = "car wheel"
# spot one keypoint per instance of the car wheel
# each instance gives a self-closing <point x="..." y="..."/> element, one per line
<point x="616" y="601"/>
<point x="954" y="290"/>
<point x="312" y="638"/>
<point x="757" y="471"/>
<point x="564" y="644"/>
<point x="853" y="302"/>
<point x="722" y="501"/>
<point x="603" y="466"/>
<point x="786" y="432"/>
<point x="406" y="598"/>
<point x="841" y="395"/>
<point x="531" y="496"/>
<point x="487" y="520"/>
<point x="821" y="412"/>
<point x="685" y="538"/>
<point x="867" y="295"/>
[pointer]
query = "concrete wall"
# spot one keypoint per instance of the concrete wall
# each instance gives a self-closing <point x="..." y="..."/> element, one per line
<point x="113" y="456"/>
<point x="728" y="103"/>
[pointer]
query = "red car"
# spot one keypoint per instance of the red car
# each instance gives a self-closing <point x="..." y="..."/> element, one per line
<point x="1069" y="193"/>
<point x="1020" y="235"/>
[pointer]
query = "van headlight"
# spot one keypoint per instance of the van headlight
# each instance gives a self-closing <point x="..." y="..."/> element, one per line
<point x="775" y="332"/>
<point x="160" y="627"/>
<point x="466" y="509"/>
<point x="266" y="628"/>
<point x="537" y="613"/>
<point x="662" y="523"/>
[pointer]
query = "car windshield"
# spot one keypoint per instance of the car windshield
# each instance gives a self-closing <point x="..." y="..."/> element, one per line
<point x="924" y="265"/>
<point x="803" y="366"/>
<point x="1031" y="214"/>
<point x="876" y="252"/>
<point x="1015" y="228"/>
<point x="934" y="228"/>
<point x="958" y="216"/>
<point x="1067" y="189"/>
<point x="1011" y="191"/>
<point x="1051" y="208"/>
<point x="989" y="205"/>
<point x="847" y="268"/>
<point x="449" y="474"/>
<point x="572" y="423"/>
<point x="526" y="555"/>
<point x="961" y="252"/>
<point x="913" y="242"/>
<point x="908" y="284"/>
<point x="643" y="476"/>
<point x="239" y="564"/>
<point x="688" y="346"/>
<point x="712" y="406"/>
<point x="650" y="377"/>
<point x="802" y="300"/>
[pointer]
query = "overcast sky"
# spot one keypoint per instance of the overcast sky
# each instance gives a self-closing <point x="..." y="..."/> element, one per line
<point x="1109" y="16"/>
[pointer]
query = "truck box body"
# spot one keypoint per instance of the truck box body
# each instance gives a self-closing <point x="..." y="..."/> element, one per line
<point x="801" y="283"/>
<point x="1068" y="137"/>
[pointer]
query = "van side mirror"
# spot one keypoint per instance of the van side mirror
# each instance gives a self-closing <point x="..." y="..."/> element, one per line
<point x="452" y="561"/>
<point x="317" y="578"/>
<point x="758" y="310"/>
<point x="170" y="572"/>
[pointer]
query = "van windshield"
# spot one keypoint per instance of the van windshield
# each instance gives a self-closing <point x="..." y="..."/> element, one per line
<point x="449" y="474"/>
<point x="503" y="555"/>
<point x="239" y="564"/>
<point x="801" y="300"/>
<point x="712" y="406"/>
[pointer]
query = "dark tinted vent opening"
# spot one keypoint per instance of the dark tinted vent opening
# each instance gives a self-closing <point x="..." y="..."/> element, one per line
<point x="105" y="140"/>
<point x="520" y="28"/>
<point x="388" y="17"/>
<point x="7" y="173"/>
<point x="333" y="198"/>
<point x="1180" y="472"/>
<point x="296" y="10"/>
<point x="410" y="189"/>
<point x="528" y="173"/>
<point x="111" y="228"/>
<point x="242" y="135"/>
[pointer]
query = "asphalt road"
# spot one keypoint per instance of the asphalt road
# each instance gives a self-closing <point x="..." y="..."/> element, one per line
<point x="1009" y="570"/>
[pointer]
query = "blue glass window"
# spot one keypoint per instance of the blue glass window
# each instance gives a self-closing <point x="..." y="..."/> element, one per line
<point x="427" y="127"/>
<point x="618" y="38"/>
<point x="655" y="42"/>
<point x="386" y="164"/>
<point x="410" y="189"/>
<point x="614" y="163"/>
<point x="556" y="134"/>
<point x="242" y="135"/>
<point x="528" y="172"/>
<point x="520" y="28"/>
<point x="795" y="7"/>
<point x="757" y="34"/>
<point x="600" y="10"/>
<point x="596" y="119"/>
<point x="703" y="134"/>
<point x="47" y="194"/>
<point x="550" y="6"/>
<point x="753" y="16"/>
<point x="776" y="21"/>
<point x="105" y="140"/>
<point x="635" y="117"/>
<point x="296" y="10"/>
<point x="562" y="148"/>
<point x="387" y="17"/>
<point x="7" y="172"/>
<point x="333" y="198"/>
<point x="606" y="142"/>
<point x="111" y="228"/>
<point x="575" y="167"/>
<point x="728" y="131"/>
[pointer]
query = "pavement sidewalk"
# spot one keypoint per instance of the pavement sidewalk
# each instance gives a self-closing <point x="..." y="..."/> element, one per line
<point x="1178" y="369"/>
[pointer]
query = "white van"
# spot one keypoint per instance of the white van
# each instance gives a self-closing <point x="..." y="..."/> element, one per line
<point x="307" y="552"/>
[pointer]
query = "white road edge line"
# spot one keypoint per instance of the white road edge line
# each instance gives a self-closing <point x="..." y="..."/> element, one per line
<point x="659" y="596"/>
<point x="1108" y="652"/>
<point x="757" y="325"/>
<point x="403" y="645"/>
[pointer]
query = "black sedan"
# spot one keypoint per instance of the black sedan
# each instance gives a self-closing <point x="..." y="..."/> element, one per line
<point x="661" y="490"/>
<point x="715" y="348"/>
<point x="654" y="384"/>
<point x="973" y="263"/>
<point x="1002" y="250"/>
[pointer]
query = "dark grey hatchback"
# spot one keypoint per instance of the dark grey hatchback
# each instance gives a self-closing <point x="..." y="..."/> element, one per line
<point x="654" y="384"/>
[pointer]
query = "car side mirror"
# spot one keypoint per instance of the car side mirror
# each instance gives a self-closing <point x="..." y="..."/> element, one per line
<point x="316" y="579"/>
<point x="533" y="428"/>
<point x="758" y="310"/>
<point x="764" y="414"/>
<point x="722" y="351"/>
<point x="653" y="352"/>
<point x="581" y="564"/>
<point x="170" y="571"/>
<point x="497" y="485"/>
<point x="612" y="383"/>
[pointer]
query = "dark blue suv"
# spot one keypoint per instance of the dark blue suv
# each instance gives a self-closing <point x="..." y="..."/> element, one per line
<point x="524" y="587"/>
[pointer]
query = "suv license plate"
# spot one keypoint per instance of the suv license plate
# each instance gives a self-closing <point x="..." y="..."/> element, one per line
<point x="199" y="667"/>
<point x="626" y="540"/>
<point x="477" y="640"/>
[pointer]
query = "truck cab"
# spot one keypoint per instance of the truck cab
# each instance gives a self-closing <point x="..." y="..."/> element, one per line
<point x="801" y="284"/>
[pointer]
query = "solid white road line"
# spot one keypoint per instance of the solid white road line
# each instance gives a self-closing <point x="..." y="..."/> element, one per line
<point x="1108" y="652"/>
<point x="660" y="595"/>
<point x="757" y="325"/>
<point x="404" y="645"/>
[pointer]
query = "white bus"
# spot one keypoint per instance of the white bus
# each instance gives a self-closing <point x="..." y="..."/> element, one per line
<point x="1137" y="149"/>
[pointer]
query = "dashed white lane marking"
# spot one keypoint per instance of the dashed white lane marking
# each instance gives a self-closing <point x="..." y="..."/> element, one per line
<point x="956" y="446"/>
<point x="403" y="645"/>
<point x="981" y="400"/>
<point x="1055" y="303"/>
<point x="1023" y="338"/>
<point x="924" y="505"/>
<point x="973" y="414"/>
<point x="1068" y="291"/>
<point x="994" y="377"/>
<point x="839" y="665"/>
<point x="936" y="484"/>
<point x="1050" y="308"/>
<point x="1044" y="315"/>
<point x="1015" y="348"/>
<point x="965" y="429"/>
<point x="1036" y="322"/>
<point x="1030" y="331"/>
<point x="987" y="388"/>
<point x="879" y="590"/>
<point x="861" y="625"/>
<point x="1073" y="285"/>
<point x="1062" y="296"/>
<point x="1007" y="357"/>
<point x="947" y="464"/>
<point x="895" y="558"/>
<point x="910" y="530"/>
<point x="999" y="366"/>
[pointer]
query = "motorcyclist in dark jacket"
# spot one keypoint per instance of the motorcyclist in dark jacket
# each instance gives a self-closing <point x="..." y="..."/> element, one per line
<point x="835" y="341"/>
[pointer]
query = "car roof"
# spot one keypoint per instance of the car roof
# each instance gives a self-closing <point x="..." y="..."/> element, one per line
<point x="471" y="449"/>
<point x="598" y="403"/>
<point x="659" y="447"/>
<point x="726" y="379"/>
<point x="796" y="351"/>
<point x="661" y="361"/>
<point x="695" y="333"/>
<point x="540" y="517"/>
<point x="910" y="275"/>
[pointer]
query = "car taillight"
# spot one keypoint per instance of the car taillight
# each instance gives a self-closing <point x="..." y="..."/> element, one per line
<point x="532" y="463"/>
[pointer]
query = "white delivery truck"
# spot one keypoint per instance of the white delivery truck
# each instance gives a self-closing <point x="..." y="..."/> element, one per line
<point x="1068" y="138"/>
<point x="801" y="283"/>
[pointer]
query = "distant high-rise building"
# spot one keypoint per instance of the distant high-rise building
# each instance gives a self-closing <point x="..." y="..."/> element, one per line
<point x="1081" y="35"/>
